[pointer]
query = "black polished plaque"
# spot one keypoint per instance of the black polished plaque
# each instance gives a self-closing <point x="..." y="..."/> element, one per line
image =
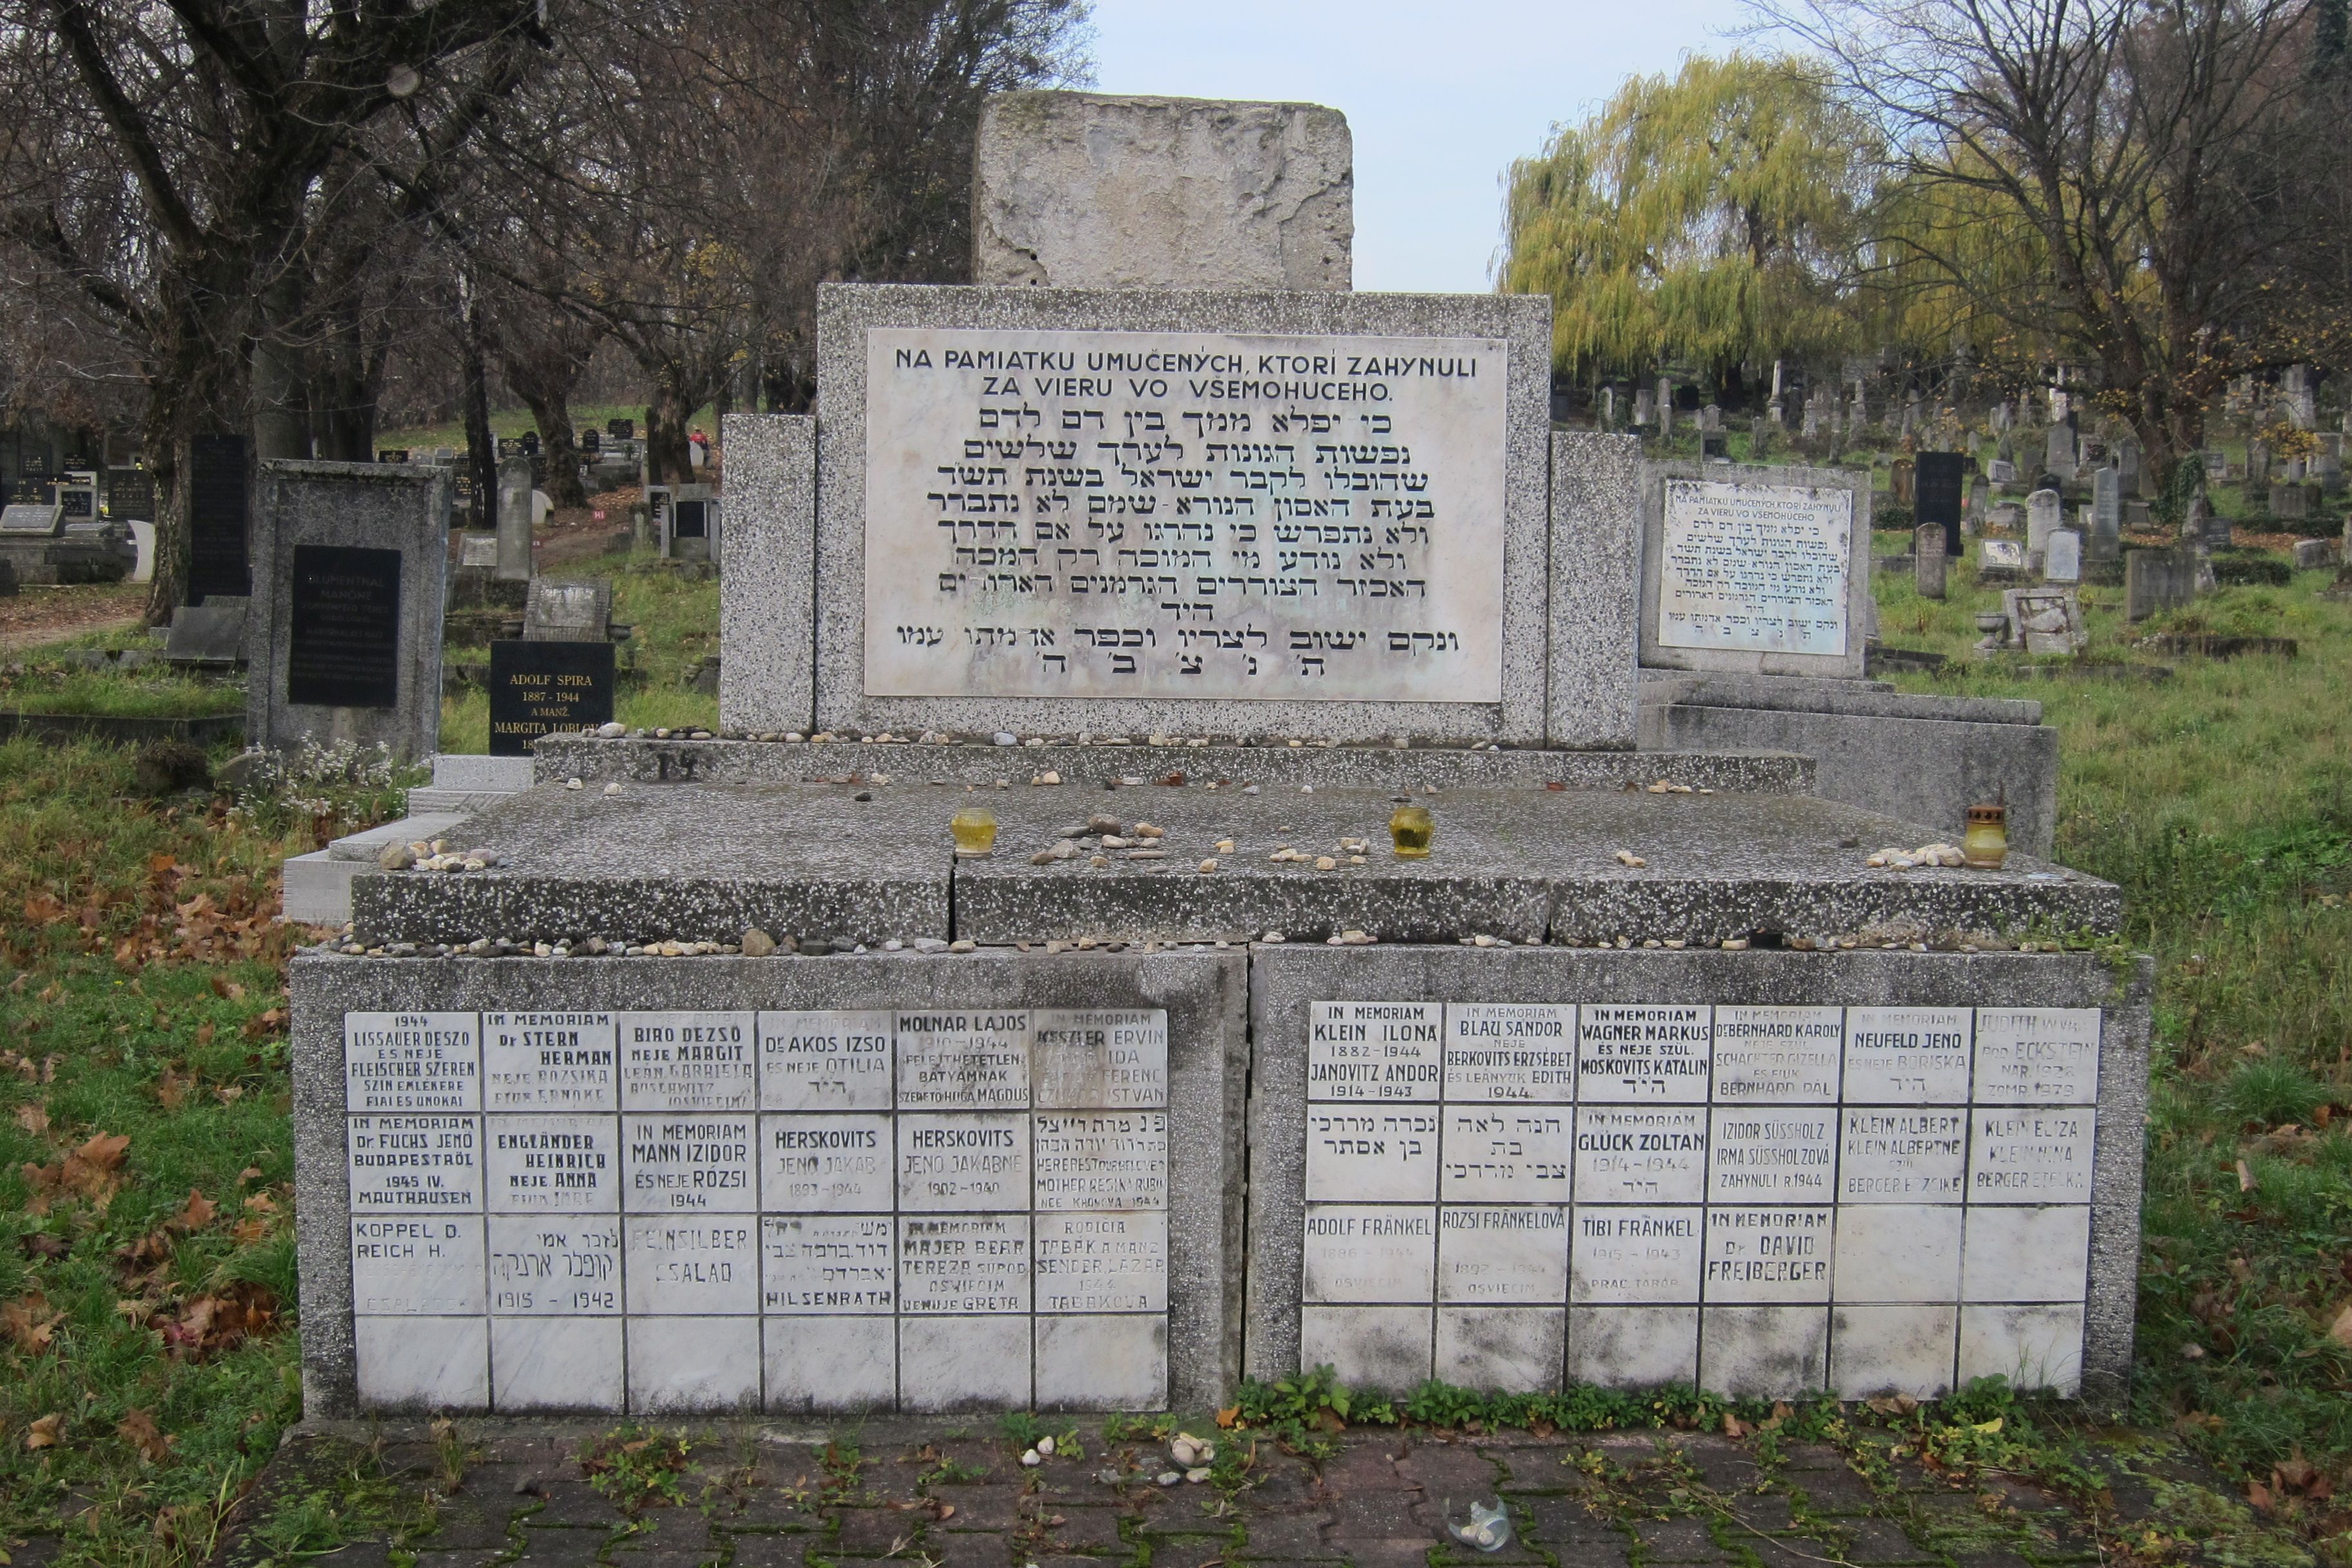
<point x="217" y="481"/>
<point x="538" y="687"/>
<point x="1940" y="488"/>
<point x="343" y="627"/>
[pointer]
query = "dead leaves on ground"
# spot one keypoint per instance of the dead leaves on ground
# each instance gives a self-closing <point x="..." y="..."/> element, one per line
<point x="138" y="1428"/>
<point x="47" y="1432"/>
<point x="29" y="1324"/>
<point x="93" y="1172"/>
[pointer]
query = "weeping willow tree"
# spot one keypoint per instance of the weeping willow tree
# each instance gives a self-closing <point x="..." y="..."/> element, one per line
<point x="1709" y="219"/>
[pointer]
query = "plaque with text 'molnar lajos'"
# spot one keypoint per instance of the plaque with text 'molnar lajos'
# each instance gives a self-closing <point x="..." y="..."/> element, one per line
<point x="1156" y="515"/>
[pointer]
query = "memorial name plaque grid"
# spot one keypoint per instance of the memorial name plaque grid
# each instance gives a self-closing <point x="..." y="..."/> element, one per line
<point x="825" y="1210"/>
<point x="1761" y="1199"/>
<point x="1127" y="514"/>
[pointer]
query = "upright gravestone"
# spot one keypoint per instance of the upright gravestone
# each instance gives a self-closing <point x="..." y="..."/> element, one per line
<point x="1665" y="407"/>
<point x="2043" y="513"/>
<point x="2258" y="463"/>
<point x="1645" y="408"/>
<point x="219" y="481"/>
<point x="1900" y="481"/>
<point x="1759" y="570"/>
<point x="567" y="612"/>
<point x="2106" y="514"/>
<point x="2129" y="462"/>
<point x="345" y="638"/>
<point x="2058" y="452"/>
<point x="1938" y="485"/>
<point x="1927" y="559"/>
<point x="539" y="687"/>
<point x="2288" y="503"/>
<point x="2062" y="559"/>
<point x="514" y="519"/>
<point x="2157" y="580"/>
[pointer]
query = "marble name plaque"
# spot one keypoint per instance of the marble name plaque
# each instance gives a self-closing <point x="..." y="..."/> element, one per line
<point x="1635" y="1256"/>
<point x="1511" y="1050"/>
<point x="1506" y="1155"/>
<point x="553" y="1165"/>
<point x="1790" y="1056"/>
<point x="826" y="1061"/>
<point x="562" y="1266"/>
<point x="1101" y="1262"/>
<point x="1110" y="1058"/>
<point x="829" y="1265"/>
<point x="1358" y="1252"/>
<point x="1125" y="514"/>
<point x="1767" y="1255"/>
<point x="1909" y="1056"/>
<point x="2044" y="1056"/>
<point x="1496" y="1254"/>
<point x="2033" y="1154"/>
<point x="701" y="1265"/>
<point x="1892" y="1155"/>
<point x="1754" y="568"/>
<point x="1369" y="1153"/>
<point x="550" y="1061"/>
<point x="1098" y="1159"/>
<point x="963" y="1162"/>
<point x="1640" y="1154"/>
<point x="974" y="1265"/>
<point x="1642" y="1053"/>
<point x="977" y="1061"/>
<point x="838" y="1163"/>
<point x="1777" y="1155"/>
<point x="415" y="1164"/>
<point x="700" y="1163"/>
<point x="688" y="1061"/>
<point x="1375" y="1050"/>
<point x="429" y="1265"/>
<point x="412" y="1061"/>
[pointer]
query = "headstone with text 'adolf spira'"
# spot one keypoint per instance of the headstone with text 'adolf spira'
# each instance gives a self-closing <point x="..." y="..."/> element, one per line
<point x="539" y="688"/>
<point x="343" y="639"/>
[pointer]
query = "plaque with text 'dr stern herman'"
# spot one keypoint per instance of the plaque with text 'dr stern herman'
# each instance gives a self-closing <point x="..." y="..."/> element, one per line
<point x="1154" y="515"/>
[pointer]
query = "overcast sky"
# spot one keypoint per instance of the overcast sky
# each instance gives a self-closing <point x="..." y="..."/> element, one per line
<point x="1440" y="97"/>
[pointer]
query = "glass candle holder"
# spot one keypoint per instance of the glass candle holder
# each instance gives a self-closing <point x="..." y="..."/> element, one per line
<point x="1986" y="844"/>
<point x="1411" y="829"/>
<point x="974" y="830"/>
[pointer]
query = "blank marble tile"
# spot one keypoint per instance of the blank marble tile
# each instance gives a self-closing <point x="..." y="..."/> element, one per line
<point x="693" y="1364"/>
<point x="1632" y="1347"/>
<point x="963" y="1363"/>
<point x="1508" y="1349"/>
<point x="2025" y="1254"/>
<point x="831" y="1366"/>
<point x="423" y="1364"/>
<point x="556" y="1364"/>
<point x="1892" y="1350"/>
<point x="1102" y="1362"/>
<point x="1891" y="1252"/>
<point x="1764" y="1352"/>
<point x="2033" y="1347"/>
<point x="1377" y="1347"/>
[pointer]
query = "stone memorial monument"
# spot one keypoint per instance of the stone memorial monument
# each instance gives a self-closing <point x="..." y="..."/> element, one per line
<point x="1172" y="734"/>
<point x="514" y="519"/>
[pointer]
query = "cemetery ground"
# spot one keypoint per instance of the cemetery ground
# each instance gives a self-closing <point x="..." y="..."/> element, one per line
<point x="148" y="1366"/>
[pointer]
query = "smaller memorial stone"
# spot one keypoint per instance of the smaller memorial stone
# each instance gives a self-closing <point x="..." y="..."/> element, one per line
<point x="542" y="688"/>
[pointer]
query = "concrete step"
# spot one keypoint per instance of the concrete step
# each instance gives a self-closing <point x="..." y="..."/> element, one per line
<point x="317" y="888"/>
<point x="365" y="846"/>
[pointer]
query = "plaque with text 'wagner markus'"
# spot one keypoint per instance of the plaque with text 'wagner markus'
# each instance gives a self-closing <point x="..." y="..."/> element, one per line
<point x="1864" y="1176"/>
<point x="827" y="1185"/>
<point x="1108" y="514"/>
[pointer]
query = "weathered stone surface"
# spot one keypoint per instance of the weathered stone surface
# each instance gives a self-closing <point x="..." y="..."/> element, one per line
<point x="1077" y="190"/>
<point x="767" y="578"/>
<point x="1596" y="550"/>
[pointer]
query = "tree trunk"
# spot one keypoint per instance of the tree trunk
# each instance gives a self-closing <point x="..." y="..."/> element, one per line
<point x="558" y="446"/>
<point x="667" y="460"/>
<point x="481" y="450"/>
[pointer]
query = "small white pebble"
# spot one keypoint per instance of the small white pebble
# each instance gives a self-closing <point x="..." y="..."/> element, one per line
<point x="1046" y="1446"/>
<point x="573" y="784"/>
<point x="1031" y="1458"/>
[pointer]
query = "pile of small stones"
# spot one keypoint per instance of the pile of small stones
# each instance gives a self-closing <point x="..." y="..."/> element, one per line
<point x="617" y="731"/>
<point x="419" y="855"/>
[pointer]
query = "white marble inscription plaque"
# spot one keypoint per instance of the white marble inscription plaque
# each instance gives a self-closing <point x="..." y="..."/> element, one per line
<point x="1506" y="1155"/>
<point x="1098" y="1159"/>
<point x="1375" y="1050"/>
<point x="2039" y="1056"/>
<point x="411" y="1061"/>
<point x="1119" y="514"/>
<point x="826" y="1061"/>
<point x="963" y="1162"/>
<point x="555" y="1266"/>
<point x="1907" y="1056"/>
<point x="553" y="1165"/>
<point x="1785" y="1055"/>
<point x="1113" y="1059"/>
<point x="1496" y="1254"/>
<point x="2031" y="1154"/>
<point x="688" y="1061"/>
<point x="1892" y="1155"/>
<point x="415" y="1265"/>
<point x="973" y="1263"/>
<point x="1372" y="1155"/>
<point x="550" y="1061"/>
<point x="1510" y="1050"/>
<point x="1642" y="1053"/>
<point x="1640" y="1154"/>
<point x="415" y="1164"/>
<point x="677" y="1164"/>
<point x="1635" y="1256"/>
<point x="1754" y="568"/>
<point x="1102" y="1262"/>
<point x="828" y="1264"/>
<point x="1771" y="1154"/>
<point x="827" y="1164"/>
<point x="974" y="1061"/>
<point x="1768" y="1255"/>
<point x="701" y="1265"/>
<point x="1362" y="1252"/>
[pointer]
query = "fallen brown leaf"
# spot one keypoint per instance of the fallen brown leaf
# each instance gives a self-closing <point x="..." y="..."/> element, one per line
<point x="29" y="1324"/>
<point x="2340" y="1330"/>
<point x="46" y="1433"/>
<point x="138" y="1429"/>
<point x="173" y="1088"/>
<point x="198" y="1213"/>
<point x="2259" y="1496"/>
<point x="33" y="1118"/>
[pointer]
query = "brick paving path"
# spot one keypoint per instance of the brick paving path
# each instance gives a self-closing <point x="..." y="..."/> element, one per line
<point x="514" y="1495"/>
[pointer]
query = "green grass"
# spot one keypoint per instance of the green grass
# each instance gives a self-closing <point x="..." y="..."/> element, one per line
<point x="143" y="693"/>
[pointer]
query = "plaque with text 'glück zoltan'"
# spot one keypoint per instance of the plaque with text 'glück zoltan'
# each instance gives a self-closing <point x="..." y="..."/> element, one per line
<point x="344" y="647"/>
<point x="538" y="687"/>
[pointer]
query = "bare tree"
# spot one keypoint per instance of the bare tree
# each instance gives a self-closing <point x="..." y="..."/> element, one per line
<point x="2095" y="181"/>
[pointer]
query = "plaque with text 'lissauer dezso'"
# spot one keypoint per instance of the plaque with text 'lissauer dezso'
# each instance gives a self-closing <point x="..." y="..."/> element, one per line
<point x="1155" y="515"/>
